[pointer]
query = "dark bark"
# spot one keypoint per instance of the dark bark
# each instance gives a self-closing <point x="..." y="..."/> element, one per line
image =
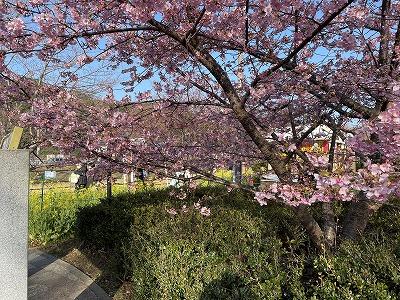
<point x="328" y="215"/>
<point x="357" y="217"/>
<point x="395" y="55"/>
<point x="312" y="227"/>
<point x="385" y="34"/>
<point x="329" y="225"/>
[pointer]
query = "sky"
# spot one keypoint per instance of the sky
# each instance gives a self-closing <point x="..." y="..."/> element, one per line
<point x="97" y="76"/>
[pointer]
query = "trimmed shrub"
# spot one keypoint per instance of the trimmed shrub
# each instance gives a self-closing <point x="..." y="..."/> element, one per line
<point x="368" y="270"/>
<point x="179" y="256"/>
<point x="240" y="251"/>
<point x="186" y="253"/>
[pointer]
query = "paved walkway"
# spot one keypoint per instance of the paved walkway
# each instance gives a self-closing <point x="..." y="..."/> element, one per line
<point x="50" y="278"/>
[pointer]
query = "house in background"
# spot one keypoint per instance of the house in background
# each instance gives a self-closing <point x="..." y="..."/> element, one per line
<point x="319" y="141"/>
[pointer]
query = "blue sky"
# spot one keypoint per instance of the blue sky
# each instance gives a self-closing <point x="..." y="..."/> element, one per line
<point x="96" y="73"/>
<point x="90" y="74"/>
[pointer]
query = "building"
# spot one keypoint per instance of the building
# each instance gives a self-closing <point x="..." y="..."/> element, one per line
<point x="319" y="141"/>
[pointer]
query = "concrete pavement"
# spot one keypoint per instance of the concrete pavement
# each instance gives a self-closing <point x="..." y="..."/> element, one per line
<point x="50" y="278"/>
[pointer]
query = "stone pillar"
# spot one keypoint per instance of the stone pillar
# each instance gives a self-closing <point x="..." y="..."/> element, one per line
<point x="14" y="190"/>
<point x="237" y="172"/>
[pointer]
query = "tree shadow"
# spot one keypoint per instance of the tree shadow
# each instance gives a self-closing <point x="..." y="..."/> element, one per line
<point x="107" y="224"/>
<point x="104" y="226"/>
<point x="99" y="265"/>
<point x="229" y="287"/>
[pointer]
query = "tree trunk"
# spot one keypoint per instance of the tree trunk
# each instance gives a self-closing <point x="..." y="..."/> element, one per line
<point x="329" y="225"/>
<point x="237" y="172"/>
<point x="328" y="215"/>
<point x="312" y="227"/>
<point x="357" y="217"/>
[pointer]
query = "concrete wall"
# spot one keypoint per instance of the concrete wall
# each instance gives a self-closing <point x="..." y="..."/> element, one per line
<point x="14" y="189"/>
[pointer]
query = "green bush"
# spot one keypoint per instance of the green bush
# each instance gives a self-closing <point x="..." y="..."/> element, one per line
<point x="386" y="224"/>
<point x="186" y="253"/>
<point x="179" y="256"/>
<point x="367" y="270"/>
<point x="241" y="251"/>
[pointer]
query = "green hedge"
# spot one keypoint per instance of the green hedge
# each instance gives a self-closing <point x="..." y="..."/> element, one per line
<point x="367" y="270"/>
<point x="241" y="251"/>
<point x="186" y="253"/>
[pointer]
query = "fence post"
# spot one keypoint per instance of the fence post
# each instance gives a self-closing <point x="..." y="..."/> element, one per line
<point x="42" y="198"/>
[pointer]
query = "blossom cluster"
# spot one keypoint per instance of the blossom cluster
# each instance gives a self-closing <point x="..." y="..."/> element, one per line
<point x="203" y="210"/>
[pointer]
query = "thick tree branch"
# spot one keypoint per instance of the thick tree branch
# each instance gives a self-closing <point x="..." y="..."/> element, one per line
<point x="385" y="34"/>
<point x="269" y="150"/>
<point x="304" y="43"/>
<point x="396" y="50"/>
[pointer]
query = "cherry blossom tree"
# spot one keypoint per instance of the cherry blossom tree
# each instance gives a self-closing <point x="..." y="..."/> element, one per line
<point x="232" y="80"/>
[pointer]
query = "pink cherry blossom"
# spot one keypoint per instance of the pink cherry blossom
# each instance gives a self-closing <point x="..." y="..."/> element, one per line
<point x="230" y="85"/>
<point x="16" y="26"/>
<point x="205" y="211"/>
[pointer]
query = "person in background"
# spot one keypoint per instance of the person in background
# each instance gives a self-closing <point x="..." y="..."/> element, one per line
<point x="82" y="180"/>
<point x="142" y="175"/>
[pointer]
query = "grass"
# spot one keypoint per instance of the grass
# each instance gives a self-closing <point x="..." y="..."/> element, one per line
<point x="52" y="219"/>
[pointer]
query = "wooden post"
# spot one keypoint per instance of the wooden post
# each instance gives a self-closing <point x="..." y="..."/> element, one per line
<point x="12" y="141"/>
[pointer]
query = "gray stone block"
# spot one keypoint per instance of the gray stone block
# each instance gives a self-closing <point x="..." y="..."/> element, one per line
<point x="14" y="190"/>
